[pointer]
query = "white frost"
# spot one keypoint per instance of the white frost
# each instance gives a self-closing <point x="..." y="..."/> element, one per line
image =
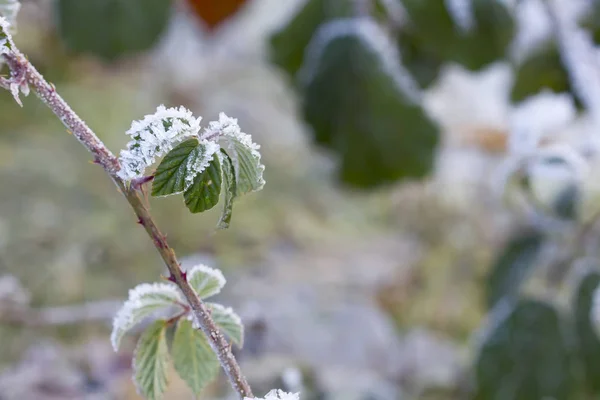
<point x="277" y="394"/>
<point x="143" y="300"/>
<point x="9" y="10"/>
<point x="6" y="42"/>
<point x="228" y="128"/>
<point x="196" y="165"/>
<point x="154" y="136"/>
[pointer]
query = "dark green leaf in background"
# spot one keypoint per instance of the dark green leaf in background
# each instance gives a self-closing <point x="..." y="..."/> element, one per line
<point x="587" y="337"/>
<point x="355" y="106"/>
<point x="288" y="44"/>
<point x="542" y="69"/>
<point x="525" y="356"/>
<point x="513" y="265"/>
<point x="111" y="28"/>
<point x="434" y="32"/>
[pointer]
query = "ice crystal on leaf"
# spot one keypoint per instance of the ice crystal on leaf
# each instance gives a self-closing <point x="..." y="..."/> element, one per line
<point x="143" y="300"/>
<point x="6" y="42"/>
<point x="206" y="281"/>
<point x="243" y="152"/>
<point x="277" y="394"/>
<point x="154" y="136"/>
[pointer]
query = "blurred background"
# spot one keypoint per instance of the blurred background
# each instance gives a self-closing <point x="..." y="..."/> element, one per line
<point x="427" y="230"/>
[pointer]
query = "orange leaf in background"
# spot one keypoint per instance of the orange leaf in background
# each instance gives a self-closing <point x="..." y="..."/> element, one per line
<point x="213" y="12"/>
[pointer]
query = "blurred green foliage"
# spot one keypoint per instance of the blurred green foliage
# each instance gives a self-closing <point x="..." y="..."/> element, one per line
<point x="525" y="355"/>
<point x="356" y="107"/>
<point x="111" y="28"/>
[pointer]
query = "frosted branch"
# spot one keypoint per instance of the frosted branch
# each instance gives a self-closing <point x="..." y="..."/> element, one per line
<point x="46" y="92"/>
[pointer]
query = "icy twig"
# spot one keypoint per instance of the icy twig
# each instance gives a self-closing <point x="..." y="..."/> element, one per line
<point x="20" y="66"/>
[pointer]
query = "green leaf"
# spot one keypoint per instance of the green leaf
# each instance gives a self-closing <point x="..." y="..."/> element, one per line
<point x="513" y="265"/>
<point x="436" y="34"/>
<point x="422" y="64"/>
<point x="194" y="360"/>
<point x="246" y="162"/>
<point x="525" y="355"/>
<point x="111" y="28"/>
<point x="144" y="300"/>
<point x="588" y="343"/>
<point x="229" y="182"/>
<point x="204" y="192"/>
<point x="228" y="322"/>
<point x="354" y="104"/>
<point x="289" y="43"/>
<point x="150" y="361"/>
<point x="179" y="167"/>
<point x="205" y="281"/>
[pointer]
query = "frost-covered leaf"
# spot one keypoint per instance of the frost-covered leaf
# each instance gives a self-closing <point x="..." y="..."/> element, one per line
<point x="513" y="265"/>
<point x="362" y="104"/>
<point x="214" y="12"/>
<point x="277" y="394"/>
<point x="243" y="153"/>
<point x="144" y="300"/>
<point x="205" y="281"/>
<point x="9" y="10"/>
<point x="154" y="136"/>
<point x="194" y="359"/>
<point x="588" y="342"/>
<point x="111" y="28"/>
<point x="228" y="322"/>
<point x="525" y="355"/>
<point x="230" y="186"/>
<point x="179" y="167"/>
<point x="203" y="194"/>
<point x="150" y="361"/>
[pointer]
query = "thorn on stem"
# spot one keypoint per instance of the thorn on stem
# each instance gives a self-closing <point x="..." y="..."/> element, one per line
<point x="141" y="221"/>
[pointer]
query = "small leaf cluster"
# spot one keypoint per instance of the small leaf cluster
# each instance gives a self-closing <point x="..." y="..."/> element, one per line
<point x="202" y="165"/>
<point x="173" y="336"/>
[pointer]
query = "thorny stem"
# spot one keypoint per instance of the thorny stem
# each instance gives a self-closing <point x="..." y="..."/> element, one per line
<point x="20" y="66"/>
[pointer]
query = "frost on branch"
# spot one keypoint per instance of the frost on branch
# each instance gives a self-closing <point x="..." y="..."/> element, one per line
<point x="143" y="300"/>
<point x="277" y="394"/>
<point x="153" y="137"/>
<point x="243" y="152"/>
